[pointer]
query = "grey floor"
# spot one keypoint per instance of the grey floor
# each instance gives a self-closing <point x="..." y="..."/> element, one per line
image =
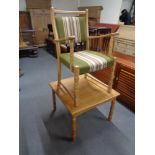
<point x="45" y="133"/>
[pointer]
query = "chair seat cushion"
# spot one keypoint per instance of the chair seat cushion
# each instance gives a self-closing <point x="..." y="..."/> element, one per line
<point x="88" y="61"/>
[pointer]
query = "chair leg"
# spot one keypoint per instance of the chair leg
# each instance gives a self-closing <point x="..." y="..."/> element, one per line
<point x="111" y="109"/>
<point x="73" y="128"/>
<point x="59" y="74"/>
<point x="54" y="100"/>
<point x="76" y="85"/>
<point x="112" y="76"/>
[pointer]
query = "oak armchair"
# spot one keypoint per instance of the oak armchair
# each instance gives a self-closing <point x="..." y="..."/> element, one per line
<point x="74" y="29"/>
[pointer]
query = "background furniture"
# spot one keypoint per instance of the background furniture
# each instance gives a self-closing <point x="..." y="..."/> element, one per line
<point x="40" y="18"/>
<point x="98" y="44"/>
<point x="125" y="41"/>
<point x="24" y="20"/>
<point x="27" y="36"/>
<point x="94" y="13"/>
<point x="113" y="27"/>
<point x="38" y="4"/>
<point x="124" y="81"/>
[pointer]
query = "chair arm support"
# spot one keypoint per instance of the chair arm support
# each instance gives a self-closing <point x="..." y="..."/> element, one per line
<point x="71" y="43"/>
<point x="64" y="39"/>
<point x="103" y="36"/>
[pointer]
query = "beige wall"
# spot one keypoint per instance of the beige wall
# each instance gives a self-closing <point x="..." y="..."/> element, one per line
<point x="111" y="9"/>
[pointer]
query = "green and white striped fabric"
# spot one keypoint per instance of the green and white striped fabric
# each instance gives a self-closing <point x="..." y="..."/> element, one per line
<point x="88" y="61"/>
<point x="71" y="26"/>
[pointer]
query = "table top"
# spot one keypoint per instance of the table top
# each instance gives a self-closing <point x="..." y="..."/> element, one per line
<point x="92" y="93"/>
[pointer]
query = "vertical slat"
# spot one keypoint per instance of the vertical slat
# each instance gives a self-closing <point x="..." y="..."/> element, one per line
<point x="87" y="31"/>
<point x="58" y="62"/>
<point x="111" y="45"/>
<point x="71" y="54"/>
<point x="53" y="23"/>
<point x="112" y="76"/>
<point x="58" y="50"/>
<point x="76" y="85"/>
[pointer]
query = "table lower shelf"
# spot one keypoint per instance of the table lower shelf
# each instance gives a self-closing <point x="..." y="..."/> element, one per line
<point x="91" y="94"/>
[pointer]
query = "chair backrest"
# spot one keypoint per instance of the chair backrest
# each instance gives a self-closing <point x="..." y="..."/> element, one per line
<point x="72" y="26"/>
<point x="70" y="23"/>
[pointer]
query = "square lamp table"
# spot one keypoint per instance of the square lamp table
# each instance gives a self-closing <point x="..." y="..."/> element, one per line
<point x="92" y="93"/>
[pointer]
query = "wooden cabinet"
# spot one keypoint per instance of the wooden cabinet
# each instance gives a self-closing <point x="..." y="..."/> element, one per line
<point x="124" y="83"/>
<point x="24" y="20"/>
<point x="40" y="18"/>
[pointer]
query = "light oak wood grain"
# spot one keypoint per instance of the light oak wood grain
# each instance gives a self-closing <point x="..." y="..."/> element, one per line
<point x="97" y="93"/>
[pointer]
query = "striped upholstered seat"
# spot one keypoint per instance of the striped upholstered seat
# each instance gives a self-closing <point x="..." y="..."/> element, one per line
<point x="88" y="61"/>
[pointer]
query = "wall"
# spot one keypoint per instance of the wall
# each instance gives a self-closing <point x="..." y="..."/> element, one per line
<point x="111" y="9"/>
<point x="110" y="12"/>
<point x="126" y="4"/>
<point x="59" y="4"/>
<point x="22" y="5"/>
<point x="65" y="4"/>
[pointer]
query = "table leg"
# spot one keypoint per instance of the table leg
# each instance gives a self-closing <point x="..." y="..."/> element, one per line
<point x="111" y="109"/>
<point x="73" y="128"/>
<point x="54" y="100"/>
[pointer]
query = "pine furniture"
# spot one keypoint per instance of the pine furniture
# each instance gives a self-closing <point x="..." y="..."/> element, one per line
<point x="91" y="93"/>
<point x="74" y="29"/>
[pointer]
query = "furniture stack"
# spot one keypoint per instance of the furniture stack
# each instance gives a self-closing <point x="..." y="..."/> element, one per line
<point x="40" y="18"/>
<point x="82" y="92"/>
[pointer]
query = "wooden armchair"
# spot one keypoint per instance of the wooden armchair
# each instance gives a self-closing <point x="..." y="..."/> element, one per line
<point x="83" y="91"/>
<point x="70" y="29"/>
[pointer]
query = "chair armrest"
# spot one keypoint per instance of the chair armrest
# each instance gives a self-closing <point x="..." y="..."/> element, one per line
<point x="103" y="36"/>
<point x="71" y="42"/>
<point x="65" y="39"/>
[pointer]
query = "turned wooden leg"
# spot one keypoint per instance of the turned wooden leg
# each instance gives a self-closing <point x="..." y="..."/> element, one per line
<point x="73" y="128"/>
<point x="54" y="100"/>
<point x="111" y="109"/>
<point x="76" y="85"/>
<point x="58" y="62"/>
<point x="112" y="76"/>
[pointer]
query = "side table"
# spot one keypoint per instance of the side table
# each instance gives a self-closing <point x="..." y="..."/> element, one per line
<point x="92" y="93"/>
